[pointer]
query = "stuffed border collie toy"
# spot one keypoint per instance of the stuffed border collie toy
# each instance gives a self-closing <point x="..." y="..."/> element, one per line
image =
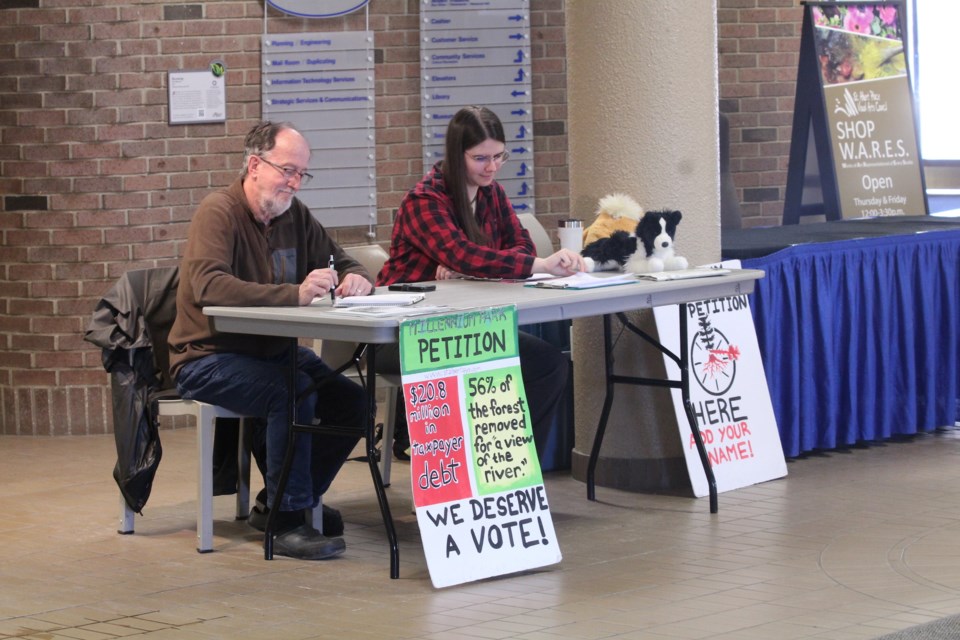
<point x="607" y="254"/>
<point x="650" y="250"/>
<point x="656" y="253"/>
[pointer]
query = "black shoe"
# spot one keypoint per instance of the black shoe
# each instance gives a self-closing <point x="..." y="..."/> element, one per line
<point x="286" y="520"/>
<point x="332" y="520"/>
<point x="306" y="543"/>
<point x="378" y="436"/>
<point x="401" y="450"/>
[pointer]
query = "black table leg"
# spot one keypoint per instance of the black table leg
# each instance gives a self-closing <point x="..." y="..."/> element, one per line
<point x="370" y="421"/>
<point x="605" y="414"/>
<point x="288" y="457"/>
<point x="369" y="434"/>
<point x="683" y="363"/>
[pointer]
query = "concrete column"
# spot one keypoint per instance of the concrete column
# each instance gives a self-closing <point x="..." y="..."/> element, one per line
<point x="643" y="118"/>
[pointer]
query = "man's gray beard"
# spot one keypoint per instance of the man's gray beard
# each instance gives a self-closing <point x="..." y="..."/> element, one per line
<point x="272" y="207"/>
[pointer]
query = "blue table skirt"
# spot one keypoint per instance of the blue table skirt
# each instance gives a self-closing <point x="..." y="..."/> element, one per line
<point x="859" y="338"/>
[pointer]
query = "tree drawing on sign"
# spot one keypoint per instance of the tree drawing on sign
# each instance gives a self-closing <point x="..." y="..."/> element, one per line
<point x="713" y="358"/>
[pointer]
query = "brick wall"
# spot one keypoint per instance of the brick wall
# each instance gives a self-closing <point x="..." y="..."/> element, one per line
<point x="758" y="44"/>
<point x="94" y="182"/>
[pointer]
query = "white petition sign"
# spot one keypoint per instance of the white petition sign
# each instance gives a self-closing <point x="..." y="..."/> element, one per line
<point x="728" y="391"/>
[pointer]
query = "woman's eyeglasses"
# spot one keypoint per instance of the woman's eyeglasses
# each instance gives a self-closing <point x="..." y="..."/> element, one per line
<point x="289" y="172"/>
<point x="498" y="159"/>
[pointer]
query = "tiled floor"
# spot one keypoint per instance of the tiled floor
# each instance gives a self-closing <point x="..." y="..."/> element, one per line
<point x="849" y="545"/>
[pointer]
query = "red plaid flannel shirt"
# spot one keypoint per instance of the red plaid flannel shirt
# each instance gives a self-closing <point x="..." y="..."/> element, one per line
<point x="426" y="235"/>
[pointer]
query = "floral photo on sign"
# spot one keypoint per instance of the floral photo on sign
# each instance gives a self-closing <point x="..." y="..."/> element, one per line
<point x="858" y="42"/>
<point x="863" y="19"/>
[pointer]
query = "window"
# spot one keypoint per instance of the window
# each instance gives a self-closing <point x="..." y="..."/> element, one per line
<point x="937" y="56"/>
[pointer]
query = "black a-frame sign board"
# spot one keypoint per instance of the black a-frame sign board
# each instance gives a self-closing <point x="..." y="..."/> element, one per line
<point x="853" y="149"/>
<point x="811" y="183"/>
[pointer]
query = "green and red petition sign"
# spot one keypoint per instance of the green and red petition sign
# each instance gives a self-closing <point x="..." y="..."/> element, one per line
<point x="477" y="486"/>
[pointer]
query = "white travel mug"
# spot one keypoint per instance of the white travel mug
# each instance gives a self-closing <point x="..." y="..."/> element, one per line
<point x="571" y="235"/>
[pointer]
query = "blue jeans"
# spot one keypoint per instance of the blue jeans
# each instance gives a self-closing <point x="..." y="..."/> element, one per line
<point x="258" y="387"/>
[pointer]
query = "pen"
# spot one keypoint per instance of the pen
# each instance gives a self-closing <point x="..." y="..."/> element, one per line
<point x="333" y="293"/>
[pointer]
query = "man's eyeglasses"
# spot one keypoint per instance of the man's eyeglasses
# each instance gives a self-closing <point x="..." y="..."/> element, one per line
<point x="289" y="172"/>
<point x="498" y="159"/>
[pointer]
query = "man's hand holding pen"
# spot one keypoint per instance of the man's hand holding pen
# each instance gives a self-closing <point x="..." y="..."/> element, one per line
<point x="321" y="282"/>
<point x="318" y="283"/>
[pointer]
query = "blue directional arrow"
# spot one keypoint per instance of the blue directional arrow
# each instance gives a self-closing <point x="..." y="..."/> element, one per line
<point x="518" y="112"/>
<point x="516" y="36"/>
<point x="519" y="57"/>
<point x="523" y="189"/>
<point x="520" y="75"/>
<point x="523" y="169"/>
<point x="520" y="150"/>
<point x="515" y="18"/>
<point x="517" y="94"/>
<point x="521" y="206"/>
<point x="522" y="133"/>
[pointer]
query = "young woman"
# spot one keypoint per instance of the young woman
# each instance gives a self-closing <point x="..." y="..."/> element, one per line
<point x="457" y="221"/>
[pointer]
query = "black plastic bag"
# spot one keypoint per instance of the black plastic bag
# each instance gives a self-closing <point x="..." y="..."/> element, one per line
<point x="138" y="448"/>
<point x="130" y="324"/>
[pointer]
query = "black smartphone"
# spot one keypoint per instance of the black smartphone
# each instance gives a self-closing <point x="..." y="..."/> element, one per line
<point x="412" y="286"/>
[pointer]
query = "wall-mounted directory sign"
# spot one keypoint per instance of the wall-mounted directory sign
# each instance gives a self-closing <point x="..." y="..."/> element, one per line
<point x="323" y="84"/>
<point x="477" y="52"/>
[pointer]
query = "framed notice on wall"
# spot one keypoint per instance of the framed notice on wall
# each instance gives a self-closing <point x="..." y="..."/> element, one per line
<point x="197" y="96"/>
<point x="853" y="151"/>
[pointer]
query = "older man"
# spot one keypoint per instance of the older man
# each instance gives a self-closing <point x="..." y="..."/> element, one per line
<point x="254" y="243"/>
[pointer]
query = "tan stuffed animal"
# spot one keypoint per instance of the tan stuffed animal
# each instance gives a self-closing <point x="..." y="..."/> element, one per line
<point x="616" y="212"/>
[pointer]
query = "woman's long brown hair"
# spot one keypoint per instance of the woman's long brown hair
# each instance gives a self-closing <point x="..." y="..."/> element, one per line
<point x="469" y="127"/>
